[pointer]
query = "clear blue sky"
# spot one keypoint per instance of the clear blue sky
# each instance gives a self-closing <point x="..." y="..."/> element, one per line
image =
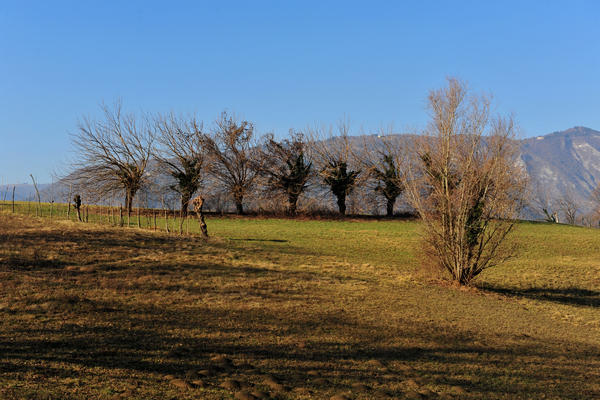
<point x="285" y="64"/>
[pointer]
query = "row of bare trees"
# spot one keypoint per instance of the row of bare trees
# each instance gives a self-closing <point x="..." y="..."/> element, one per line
<point x="460" y="176"/>
<point x="121" y="154"/>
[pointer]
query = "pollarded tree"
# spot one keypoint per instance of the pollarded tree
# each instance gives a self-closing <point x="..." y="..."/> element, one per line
<point x="340" y="180"/>
<point x="182" y="154"/>
<point x="233" y="157"/>
<point x="334" y="157"/>
<point x="390" y="182"/>
<point x="113" y="154"/>
<point x="469" y="188"/>
<point x="286" y="167"/>
<point x="384" y="157"/>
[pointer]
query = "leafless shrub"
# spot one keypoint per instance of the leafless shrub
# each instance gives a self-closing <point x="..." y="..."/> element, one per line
<point x="543" y="203"/>
<point x="569" y="207"/>
<point x="469" y="189"/>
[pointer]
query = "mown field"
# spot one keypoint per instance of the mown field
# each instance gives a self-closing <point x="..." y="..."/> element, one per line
<point x="285" y="309"/>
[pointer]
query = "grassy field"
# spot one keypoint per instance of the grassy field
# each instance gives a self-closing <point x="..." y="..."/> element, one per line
<point x="275" y="308"/>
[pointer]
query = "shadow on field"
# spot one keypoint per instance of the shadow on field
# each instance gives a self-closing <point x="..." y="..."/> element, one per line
<point x="129" y="343"/>
<point x="129" y="243"/>
<point x="151" y="308"/>
<point x="260" y="240"/>
<point x="572" y="295"/>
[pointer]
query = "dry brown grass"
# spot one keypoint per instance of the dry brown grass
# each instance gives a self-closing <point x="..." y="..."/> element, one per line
<point x="106" y="313"/>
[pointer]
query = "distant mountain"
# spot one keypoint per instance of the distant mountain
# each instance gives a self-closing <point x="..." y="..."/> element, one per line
<point x="559" y="165"/>
<point x="565" y="163"/>
<point x="23" y="191"/>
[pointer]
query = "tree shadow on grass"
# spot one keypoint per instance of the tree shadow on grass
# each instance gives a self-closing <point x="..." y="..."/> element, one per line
<point x="259" y="240"/>
<point x="142" y="345"/>
<point x="88" y="249"/>
<point x="145" y="320"/>
<point x="571" y="296"/>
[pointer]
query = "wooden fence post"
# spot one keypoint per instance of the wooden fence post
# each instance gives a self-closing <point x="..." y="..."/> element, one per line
<point x="167" y="221"/>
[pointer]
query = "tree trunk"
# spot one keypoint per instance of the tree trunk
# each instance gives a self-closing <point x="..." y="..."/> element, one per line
<point x="69" y="206"/>
<point x="129" y="205"/>
<point x="185" y="202"/>
<point x="239" y="204"/>
<point x="167" y="222"/>
<point x="341" y="202"/>
<point x="390" y="206"/>
<point x="203" y="227"/>
<point x="239" y="208"/>
<point x="292" y="204"/>
<point x="129" y="195"/>
<point x="181" y="222"/>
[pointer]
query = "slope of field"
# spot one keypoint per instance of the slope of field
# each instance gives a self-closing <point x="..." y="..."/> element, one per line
<point x="287" y="309"/>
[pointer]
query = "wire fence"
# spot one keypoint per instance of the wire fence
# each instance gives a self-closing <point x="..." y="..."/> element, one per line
<point x="170" y="221"/>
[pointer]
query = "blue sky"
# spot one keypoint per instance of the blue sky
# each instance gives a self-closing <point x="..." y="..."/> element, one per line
<point x="285" y="64"/>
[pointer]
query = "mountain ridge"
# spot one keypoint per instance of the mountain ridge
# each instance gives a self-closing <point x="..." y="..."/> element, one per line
<point x="564" y="164"/>
<point x="559" y="164"/>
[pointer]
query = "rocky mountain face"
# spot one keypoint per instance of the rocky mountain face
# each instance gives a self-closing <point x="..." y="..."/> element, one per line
<point x="563" y="164"/>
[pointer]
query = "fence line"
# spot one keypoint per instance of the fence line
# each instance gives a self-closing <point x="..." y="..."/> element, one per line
<point x="144" y="218"/>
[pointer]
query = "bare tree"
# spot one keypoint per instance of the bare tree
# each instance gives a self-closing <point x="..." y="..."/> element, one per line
<point x="182" y="154"/>
<point x="595" y="203"/>
<point x="569" y="207"/>
<point x="469" y="189"/>
<point x="333" y="156"/>
<point x="286" y="167"/>
<point x="233" y="157"/>
<point x="113" y="154"/>
<point x="543" y="203"/>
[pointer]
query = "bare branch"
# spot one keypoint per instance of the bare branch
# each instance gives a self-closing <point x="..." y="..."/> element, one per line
<point x="233" y="157"/>
<point x="112" y="154"/>
<point x="469" y="188"/>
